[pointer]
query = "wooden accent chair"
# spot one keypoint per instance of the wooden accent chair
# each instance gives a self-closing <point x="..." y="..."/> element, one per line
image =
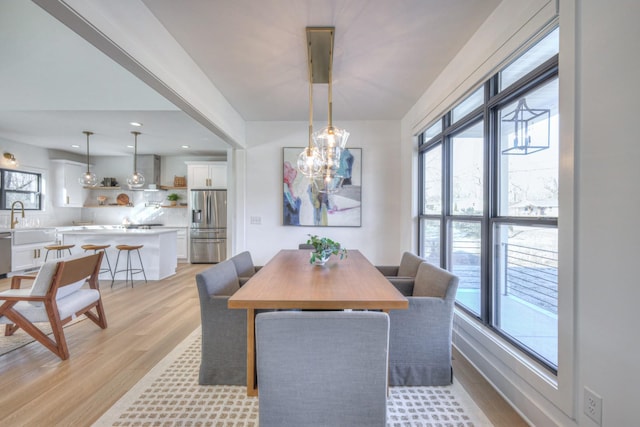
<point x="56" y="298"/>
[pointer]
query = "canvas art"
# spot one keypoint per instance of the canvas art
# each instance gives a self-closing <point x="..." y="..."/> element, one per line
<point x="303" y="205"/>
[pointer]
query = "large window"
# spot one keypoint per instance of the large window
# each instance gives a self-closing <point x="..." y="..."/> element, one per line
<point x="489" y="200"/>
<point x="19" y="186"/>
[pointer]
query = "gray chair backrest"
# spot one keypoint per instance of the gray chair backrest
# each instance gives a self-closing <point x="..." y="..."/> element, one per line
<point x="224" y="330"/>
<point x="433" y="281"/>
<point x="244" y="264"/>
<point x="221" y="279"/>
<point x="322" y="368"/>
<point x="409" y="265"/>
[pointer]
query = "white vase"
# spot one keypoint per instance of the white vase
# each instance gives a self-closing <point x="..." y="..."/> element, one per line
<point x="319" y="260"/>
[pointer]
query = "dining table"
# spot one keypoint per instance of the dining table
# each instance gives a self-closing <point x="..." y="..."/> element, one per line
<point x="290" y="281"/>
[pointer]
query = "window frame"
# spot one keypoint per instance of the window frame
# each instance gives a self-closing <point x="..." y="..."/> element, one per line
<point x="4" y="190"/>
<point x="494" y="99"/>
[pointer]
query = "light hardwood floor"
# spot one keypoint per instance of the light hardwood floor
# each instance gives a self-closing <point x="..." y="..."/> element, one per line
<point x="145" y="323"/>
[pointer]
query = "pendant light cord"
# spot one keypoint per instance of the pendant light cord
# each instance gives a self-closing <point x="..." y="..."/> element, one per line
<point x="310" y="72"/>
<point x="135" y="151"/>
<point x="86" y="132"/>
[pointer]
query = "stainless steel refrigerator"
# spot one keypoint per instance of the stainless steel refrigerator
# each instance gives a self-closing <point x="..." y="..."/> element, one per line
<point x="208" y="235"/>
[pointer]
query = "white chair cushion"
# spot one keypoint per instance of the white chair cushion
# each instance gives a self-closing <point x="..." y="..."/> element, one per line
<point x="67" y="306"/>
<point x="69" y="289"/>
<point x="43" y="279"/>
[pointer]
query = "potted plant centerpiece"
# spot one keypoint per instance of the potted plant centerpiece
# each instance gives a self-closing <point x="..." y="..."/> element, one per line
<point x="173" y="198"/>
<point x="323" y="247"/>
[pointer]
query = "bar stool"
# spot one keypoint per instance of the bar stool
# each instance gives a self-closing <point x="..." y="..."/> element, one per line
<point x="59" y="250"/>
<point x="103" y="248"/>
<point x="129" y="270"/>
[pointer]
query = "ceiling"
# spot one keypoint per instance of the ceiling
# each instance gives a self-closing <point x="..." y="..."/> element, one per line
<point x="54" y="84"/>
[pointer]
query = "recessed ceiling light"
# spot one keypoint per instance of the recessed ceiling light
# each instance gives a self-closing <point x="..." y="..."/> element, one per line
<point x="135" y="124"/>
<point x="129" y="146"/>
<point x="75" y="146"/>
<point x="185" y="146"/>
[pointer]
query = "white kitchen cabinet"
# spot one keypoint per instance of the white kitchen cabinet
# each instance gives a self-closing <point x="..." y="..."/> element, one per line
<point x="68" y="191"/>
<point x="181" y="247"/>
<point x="26" y="257"/>
<point x="207" y="175"/>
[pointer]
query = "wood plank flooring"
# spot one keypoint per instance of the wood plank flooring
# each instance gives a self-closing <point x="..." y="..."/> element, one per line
<point x="145" y="323"/>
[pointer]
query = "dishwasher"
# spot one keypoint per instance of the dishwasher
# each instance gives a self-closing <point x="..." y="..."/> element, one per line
<point x="5" y="254"/>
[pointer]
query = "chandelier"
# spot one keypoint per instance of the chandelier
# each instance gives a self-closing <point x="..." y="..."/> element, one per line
<point x="320" y="161"/>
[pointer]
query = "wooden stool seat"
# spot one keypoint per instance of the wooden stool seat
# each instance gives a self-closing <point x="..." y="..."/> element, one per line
<point x="129" y="247"/>
<point x="59" y="249"/>
<point x="129" y="271"/>
<point x="96" y="248"/>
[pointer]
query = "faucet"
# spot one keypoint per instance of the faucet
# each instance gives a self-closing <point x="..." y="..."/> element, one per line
<point x="14" y="222"/>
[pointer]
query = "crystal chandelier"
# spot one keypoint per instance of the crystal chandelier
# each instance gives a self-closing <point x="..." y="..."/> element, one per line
<point x="321" y="161"/>
<point x="88" y="178"/>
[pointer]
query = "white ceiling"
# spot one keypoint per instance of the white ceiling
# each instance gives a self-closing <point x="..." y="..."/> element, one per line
<point x="54" y="84"/>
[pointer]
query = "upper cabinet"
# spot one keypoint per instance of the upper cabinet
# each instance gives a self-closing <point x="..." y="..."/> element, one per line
<point x="207" y="175"/>
<point x="67" y="189"/>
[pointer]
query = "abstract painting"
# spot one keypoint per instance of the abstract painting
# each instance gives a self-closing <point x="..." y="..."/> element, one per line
<point x="303" y="205"/>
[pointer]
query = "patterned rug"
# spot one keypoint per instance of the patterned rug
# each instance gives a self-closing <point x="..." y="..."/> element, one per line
<point x="169" y="396"/>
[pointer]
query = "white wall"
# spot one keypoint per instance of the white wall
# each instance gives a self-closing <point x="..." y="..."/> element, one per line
<point x="608" y="202"/>
<point x="377" y="239"/>
<point x="599" y="202"/>
<point x="35" y="159"/>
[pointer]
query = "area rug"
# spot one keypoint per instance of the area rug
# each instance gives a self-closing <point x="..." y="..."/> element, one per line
<point x="20" y="338"/>
<point x="169" y="396"/>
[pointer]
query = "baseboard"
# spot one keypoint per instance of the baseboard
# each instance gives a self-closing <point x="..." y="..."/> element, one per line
<point x="476" y="348"/>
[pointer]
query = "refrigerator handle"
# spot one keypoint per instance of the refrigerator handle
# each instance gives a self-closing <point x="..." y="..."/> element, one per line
<point x="208" y="202"/>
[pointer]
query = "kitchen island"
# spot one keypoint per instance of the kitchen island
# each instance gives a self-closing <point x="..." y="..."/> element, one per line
<point x="158" y="254"/>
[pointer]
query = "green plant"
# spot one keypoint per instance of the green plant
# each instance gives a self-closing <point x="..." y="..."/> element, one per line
<point x="323" y="247"/>
<point x="173" y="197"/>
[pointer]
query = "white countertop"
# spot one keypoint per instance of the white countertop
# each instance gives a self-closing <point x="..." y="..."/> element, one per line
<point x="121" y="231"/>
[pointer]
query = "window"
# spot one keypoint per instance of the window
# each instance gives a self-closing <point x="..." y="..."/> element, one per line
<point x="19" y="186"/>
<point x="489" y="200"/>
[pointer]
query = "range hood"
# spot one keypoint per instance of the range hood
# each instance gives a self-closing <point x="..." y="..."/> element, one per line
<point x="149" y="167"/>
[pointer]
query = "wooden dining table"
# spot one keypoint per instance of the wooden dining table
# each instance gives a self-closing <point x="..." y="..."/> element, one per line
<point x="289" y="281"/>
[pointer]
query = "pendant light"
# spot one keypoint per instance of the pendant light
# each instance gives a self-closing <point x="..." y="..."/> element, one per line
<point x="531" y="129"/>
<point x="88" y="178"/>
<point x="310" y="160"/>
<point x="330" y="141"/>
<point x="136" y="180"/>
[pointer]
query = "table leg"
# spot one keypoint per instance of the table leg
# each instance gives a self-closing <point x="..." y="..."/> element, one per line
<point x="252" y="389"/>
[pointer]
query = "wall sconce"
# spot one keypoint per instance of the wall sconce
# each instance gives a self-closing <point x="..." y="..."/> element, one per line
<point x="11" y="159"/>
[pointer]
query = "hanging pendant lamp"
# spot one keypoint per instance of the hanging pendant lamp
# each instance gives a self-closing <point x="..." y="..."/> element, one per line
<point x="136" y="180"/>
<point x="329" y="141"/>
<point x="88" y="178"/>
<point x="310" y="160"/>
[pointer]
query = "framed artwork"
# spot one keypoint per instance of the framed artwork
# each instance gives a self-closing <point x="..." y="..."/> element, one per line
<point x="303" y="205"/>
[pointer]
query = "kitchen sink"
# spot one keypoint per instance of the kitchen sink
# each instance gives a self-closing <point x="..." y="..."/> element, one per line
<point x="33" y="235"/>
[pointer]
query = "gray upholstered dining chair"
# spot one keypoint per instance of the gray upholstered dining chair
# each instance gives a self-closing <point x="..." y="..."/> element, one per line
<point x="244" y="266"/>
<point x="322" y="368"/>
<point x="402" y="276"/>
<point x="224" y="331"/>
<point x="420" y="337"/>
